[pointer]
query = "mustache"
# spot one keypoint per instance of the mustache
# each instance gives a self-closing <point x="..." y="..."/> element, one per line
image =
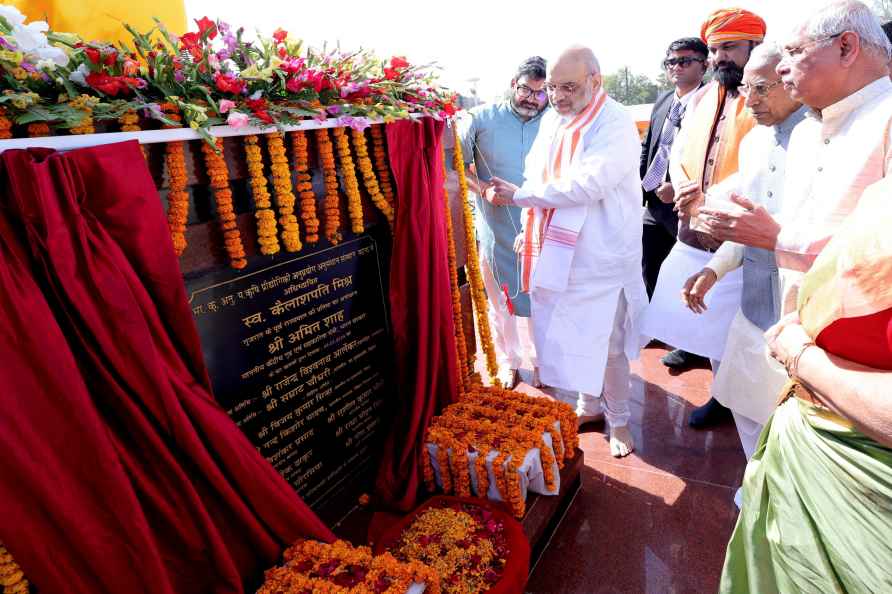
<point x="728" y="74"/>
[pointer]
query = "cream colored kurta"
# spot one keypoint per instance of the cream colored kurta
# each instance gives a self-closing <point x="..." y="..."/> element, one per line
<point x="572" y="327"/>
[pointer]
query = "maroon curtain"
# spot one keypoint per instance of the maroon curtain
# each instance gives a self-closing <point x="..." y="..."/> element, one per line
<point x="154" y="488"/>
<point x="421" y="304"/>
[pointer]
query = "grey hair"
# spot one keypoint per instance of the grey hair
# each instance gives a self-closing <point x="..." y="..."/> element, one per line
<point x="768" y="52"/>
<point x="850" y="15"/>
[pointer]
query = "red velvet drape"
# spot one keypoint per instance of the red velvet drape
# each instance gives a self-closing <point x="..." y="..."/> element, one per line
<point x="421" y="305"/>
<point x="120" y="471"/>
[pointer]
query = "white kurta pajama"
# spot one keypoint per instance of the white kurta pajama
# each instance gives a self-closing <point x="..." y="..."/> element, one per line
<point x="587" y="298"/>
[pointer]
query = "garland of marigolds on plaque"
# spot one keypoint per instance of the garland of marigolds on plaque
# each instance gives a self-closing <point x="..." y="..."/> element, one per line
<point x="218" y="172"/>
<point x="339" y="568"/>
<point x="472" y="263"/>
<point x="12" y="578"/>
<point x="368" y="176"/>
<point x="351" y="184"/>
<point x="304" y="186"/>
<point x="267" y="232"/>
<point x="177" y="183"/>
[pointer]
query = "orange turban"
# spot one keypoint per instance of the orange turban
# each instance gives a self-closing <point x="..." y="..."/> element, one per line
<point x="732" y="24"/>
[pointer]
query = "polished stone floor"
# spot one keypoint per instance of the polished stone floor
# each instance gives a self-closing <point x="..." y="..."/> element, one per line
<point x="655" y="522"/>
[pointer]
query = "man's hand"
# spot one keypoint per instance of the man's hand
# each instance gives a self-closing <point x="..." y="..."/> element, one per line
<point x="666" y="193"/>
<point x="518" y="243"/>
<point x="500" y="192"/>
<point x="751" y="226"/>
<point x="689" y="198"/>
<point x="695" y="289"/>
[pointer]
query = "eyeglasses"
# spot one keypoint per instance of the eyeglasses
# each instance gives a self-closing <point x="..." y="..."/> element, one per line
<point x="524" y="92"/>
<point x="683" y="61"/>
<point x="757" y="90"/>
<point x="797" y="51"/>
<point x="565" y="88"/>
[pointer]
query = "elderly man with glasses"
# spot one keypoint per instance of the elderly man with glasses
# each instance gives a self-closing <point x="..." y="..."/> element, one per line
<point x="705" y="153"/>
<point x="685" y="65"/>
<point x="496" y="139"/>
<point x="581" y="248"/>
<point x="748" y="380"/>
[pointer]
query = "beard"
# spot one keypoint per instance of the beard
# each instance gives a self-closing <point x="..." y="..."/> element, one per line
<point x="729" y="75"/>
<point x="526" y="109"/>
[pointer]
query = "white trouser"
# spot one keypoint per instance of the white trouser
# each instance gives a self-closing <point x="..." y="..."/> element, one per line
<point x="749" y="431"/>
<point x="617" y="379"/>
<point x="510" y="335"/>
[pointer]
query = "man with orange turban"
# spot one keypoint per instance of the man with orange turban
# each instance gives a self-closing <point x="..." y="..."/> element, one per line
<point x="704" y="154"/>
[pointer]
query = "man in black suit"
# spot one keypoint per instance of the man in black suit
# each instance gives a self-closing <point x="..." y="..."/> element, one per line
<point x="685" y="65"/>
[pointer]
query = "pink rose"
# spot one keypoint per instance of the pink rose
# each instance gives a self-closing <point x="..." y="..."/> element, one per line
<point x="237" y="119"/>
<point x="226" y="105"/>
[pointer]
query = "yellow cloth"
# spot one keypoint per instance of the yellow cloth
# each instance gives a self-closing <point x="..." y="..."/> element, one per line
<point x="702" y="129"/>
<point x="102" y="20"/>
<point x="732" y="24"/>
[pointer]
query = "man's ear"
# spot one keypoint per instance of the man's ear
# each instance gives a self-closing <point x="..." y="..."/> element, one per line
<point x="849" y="48"/>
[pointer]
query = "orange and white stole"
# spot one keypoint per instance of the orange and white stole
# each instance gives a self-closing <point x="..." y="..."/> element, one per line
<point x="550" y="234"/>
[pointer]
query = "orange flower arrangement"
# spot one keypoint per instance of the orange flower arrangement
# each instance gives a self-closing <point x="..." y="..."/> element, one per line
<point x="177" y="184"/>
<point x="38" y="130"/>
<point x="381" y="166"/>
<point x="464" y="367"/>
<point x="305" y="186"/>
<point x="12" y="578"/>
<point x="472" y="264"/>
<point x="5" y="125"/>
<point x="465" y="545"/>
<point x="368" y="176"/>
<point x="266" y="218"/>
<point x="284" y="195"/>
<point x="331" y="205"/>
<point x="85" y="104"/>
<point x="351" y="185"/>
<point x="218" y="172"/>
<point x="339" y="568"/>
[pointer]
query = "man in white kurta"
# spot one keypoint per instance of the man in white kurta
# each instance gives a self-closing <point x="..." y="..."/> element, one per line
<point x="582" y="247"/>
<point x="748" y="380"/>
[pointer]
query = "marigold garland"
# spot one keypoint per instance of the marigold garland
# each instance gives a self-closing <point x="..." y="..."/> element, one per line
<point x="472" y="264"/>
<point x="129" y="122"/>
<point x="177" y="184"/>
<point x="283" y="190"/>
<point x="381" y="166"/>
<point x="218" y="172"/>
<point x="464" y="544"/>
<point x="339" y="568"/>
<point x="331" y="204"/>
<point x="38" y="130"/>
<point x="267" y="233"/>
<point x="461" y="347"/>
<point x="351" y="185"/>
<point x="84" y="103"/>
<point x="305" y="186"/>
<point x="368" y="176"/>
<point x="12" y="578"/>
<point x="5" y="125"/>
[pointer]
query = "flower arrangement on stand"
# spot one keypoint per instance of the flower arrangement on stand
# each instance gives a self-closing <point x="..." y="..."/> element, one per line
<point x="312" y="567"/>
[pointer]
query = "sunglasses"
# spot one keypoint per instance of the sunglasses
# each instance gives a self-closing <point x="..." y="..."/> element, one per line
<point x="684" y="61"/>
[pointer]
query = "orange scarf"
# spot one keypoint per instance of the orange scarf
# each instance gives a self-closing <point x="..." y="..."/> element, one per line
<point x="543" y="228"/>
<point x="702" y="129"/>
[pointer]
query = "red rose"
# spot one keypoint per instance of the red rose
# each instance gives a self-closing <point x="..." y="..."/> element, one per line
<point x="206" y="25"/>
<point x="280" y="35"/>
<point x="92" y="54"/>
<point x="189" y="40"/>
<point x="110" y="58"/>
<point x="449" y="109"/>
<point x="398" y="62"/>
<point x="227" y="83"/>
<point x="110" y="85"/>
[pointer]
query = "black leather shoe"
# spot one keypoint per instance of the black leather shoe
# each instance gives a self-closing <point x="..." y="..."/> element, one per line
<point x="709" y="415"/>
<point x="679" y="359"/>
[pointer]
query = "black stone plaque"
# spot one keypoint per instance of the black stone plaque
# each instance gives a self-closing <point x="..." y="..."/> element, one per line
<point x="300" y="354"/>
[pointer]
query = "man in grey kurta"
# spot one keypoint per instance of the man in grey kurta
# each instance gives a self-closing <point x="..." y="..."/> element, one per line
<point x="496" y="139"/>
